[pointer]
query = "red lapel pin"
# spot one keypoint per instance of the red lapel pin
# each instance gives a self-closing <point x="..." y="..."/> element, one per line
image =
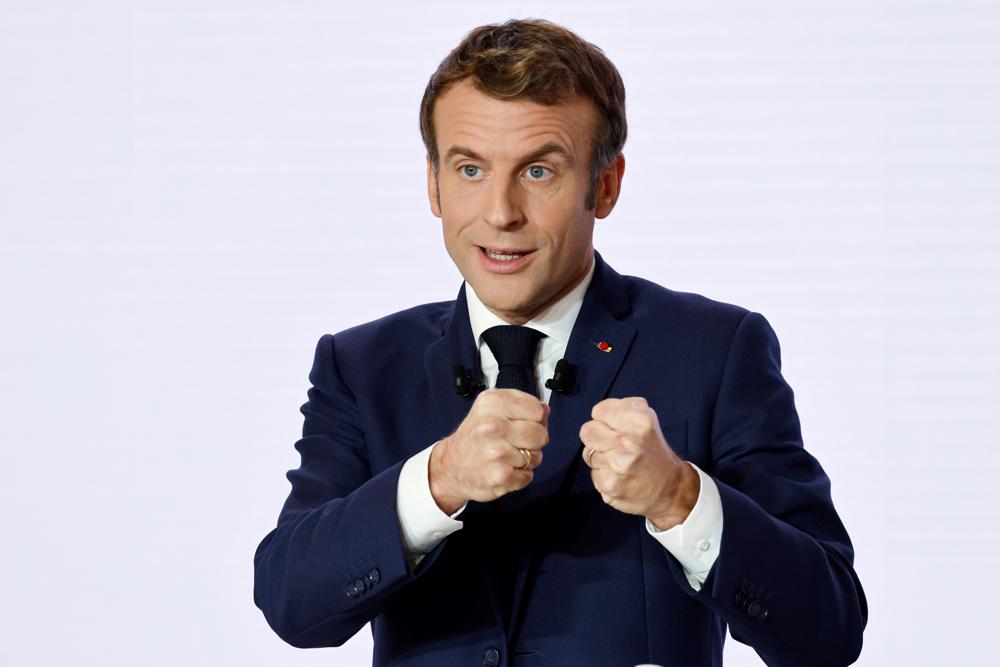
<point x="603" y="346"/>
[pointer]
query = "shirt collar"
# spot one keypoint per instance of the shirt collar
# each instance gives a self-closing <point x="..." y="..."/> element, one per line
<point x="556" y="321"/>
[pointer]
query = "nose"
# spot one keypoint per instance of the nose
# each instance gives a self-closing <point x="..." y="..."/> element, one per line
<point x="502" y="208"/>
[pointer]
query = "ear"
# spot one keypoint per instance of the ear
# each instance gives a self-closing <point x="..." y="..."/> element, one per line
<point x="609" y="186"/>
<point x="432" y="189"/>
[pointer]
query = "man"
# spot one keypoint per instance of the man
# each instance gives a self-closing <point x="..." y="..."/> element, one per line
<point x="564" y="465"/>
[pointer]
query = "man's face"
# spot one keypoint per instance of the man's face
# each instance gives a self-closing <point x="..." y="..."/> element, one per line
<point x="512" y="182"/>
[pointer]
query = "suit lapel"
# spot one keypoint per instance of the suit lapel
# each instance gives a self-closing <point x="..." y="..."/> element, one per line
<point x="454" y="347"/>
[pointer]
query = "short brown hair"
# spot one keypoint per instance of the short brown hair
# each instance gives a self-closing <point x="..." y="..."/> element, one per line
<point x="537" y="60"/>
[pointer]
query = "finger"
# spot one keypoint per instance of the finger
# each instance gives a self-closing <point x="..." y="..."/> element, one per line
<point x="526" y="434"/>
<point x="588" y="454"/>
<point x="608" y="483"/>
<point x="522" y="478"/>
<point x="614" y="461"/>
<point x="598" y="435"/>
<point x="517" y="404"/>
<point x="625" y="415"/>
<point x="605" y="459"/>
<point x="489" y="429"/>
<point x="598" y="459"/>
<point x="512" y="480"/>
<point x="602" y="408"/>
<point x="516" y="459"/>
<point x="536" y="458"/>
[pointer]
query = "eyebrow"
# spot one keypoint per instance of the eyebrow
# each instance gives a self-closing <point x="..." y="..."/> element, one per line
<point x="542" y="151"/>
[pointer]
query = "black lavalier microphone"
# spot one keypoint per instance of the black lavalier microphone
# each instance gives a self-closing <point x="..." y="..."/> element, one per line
<point x="464" y="385"/>
<point x="563" y="379"/>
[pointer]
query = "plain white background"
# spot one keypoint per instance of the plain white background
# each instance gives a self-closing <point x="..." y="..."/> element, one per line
<point x="192" y="193"/>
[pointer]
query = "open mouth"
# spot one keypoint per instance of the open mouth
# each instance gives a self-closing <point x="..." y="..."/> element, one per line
<point x="505" y="260"/>
<point x="504" y="254"/>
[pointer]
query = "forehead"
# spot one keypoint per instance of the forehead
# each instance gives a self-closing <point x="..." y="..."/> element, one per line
<point x="465" y="116"/>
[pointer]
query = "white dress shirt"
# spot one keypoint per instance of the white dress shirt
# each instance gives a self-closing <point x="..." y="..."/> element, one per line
<point x="694" y="543"/>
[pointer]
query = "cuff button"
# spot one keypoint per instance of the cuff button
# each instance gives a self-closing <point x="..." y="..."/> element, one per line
<point x="758" y="610"/>
<point x="740" y="599"/>
<point x="355" y="588"/>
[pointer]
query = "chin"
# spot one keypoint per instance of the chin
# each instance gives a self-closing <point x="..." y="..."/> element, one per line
<point x="506" y="305"/>
<point x="498" y="301"/>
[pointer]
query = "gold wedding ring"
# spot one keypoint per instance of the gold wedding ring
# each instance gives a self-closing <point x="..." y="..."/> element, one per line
<point x="526" y="453"/>
<point x="590" y="455"/>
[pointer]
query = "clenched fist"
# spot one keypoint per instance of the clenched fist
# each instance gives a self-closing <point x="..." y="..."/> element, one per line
<point x="632" y="465"/>
<point x="481" y="460"/>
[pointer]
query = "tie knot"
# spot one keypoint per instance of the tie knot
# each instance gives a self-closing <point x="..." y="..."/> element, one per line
<point x="513" y="345"/>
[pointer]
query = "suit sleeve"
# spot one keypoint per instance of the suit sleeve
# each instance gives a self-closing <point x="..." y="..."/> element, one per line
<point x="336" y="557"/>
<point x="784" y="579"/>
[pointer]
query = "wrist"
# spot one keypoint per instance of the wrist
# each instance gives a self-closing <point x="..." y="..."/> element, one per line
<point x="678" y="505"/>
<point x="446" y="500"/>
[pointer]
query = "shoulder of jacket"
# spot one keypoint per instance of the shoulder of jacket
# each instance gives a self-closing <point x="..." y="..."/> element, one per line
<point x="651" y="300"/>
<point x="425" y="321"/>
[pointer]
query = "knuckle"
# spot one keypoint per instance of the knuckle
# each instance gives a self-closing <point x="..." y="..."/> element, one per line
<point x="514" y="434"/>
<point x="493" y="451"/>
<point x="488" y="399"/>
<point x="638" y="421"/>
<point x="490" y="426"/>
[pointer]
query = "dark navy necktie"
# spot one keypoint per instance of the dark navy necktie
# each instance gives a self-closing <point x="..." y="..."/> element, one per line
<point x="514" y="348"/>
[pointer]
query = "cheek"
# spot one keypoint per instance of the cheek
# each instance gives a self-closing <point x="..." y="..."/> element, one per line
<point x="571" y="233"/>
<point x="458" y="208"/>
<point x="456" y="215"/>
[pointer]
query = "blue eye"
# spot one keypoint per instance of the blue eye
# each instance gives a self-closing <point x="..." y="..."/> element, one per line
<point x="469" y="170"/>
<point x="537" y="172"/>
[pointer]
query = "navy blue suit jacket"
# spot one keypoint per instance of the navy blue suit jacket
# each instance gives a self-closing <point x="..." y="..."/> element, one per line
<point x="592" y="587"/>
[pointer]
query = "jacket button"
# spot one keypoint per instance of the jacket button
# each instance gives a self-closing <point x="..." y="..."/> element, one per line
<point x="373" y="576"/>
<point x="491" y="657"/>
<point x="758" y="610"/>
<point x="355" y="588"/>
<point x="740" y="599"/>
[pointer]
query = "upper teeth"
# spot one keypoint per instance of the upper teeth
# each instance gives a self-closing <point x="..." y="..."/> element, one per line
<point x="496" y="255"/>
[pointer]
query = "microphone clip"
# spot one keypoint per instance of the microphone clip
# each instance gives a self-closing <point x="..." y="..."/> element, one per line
<point x="563" y="379"/>
<point x="465" y="385"/>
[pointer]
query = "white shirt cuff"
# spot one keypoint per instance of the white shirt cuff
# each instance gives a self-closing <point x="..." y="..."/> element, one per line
<point x="423" y="524"/>
<point x="695" y="542"/>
